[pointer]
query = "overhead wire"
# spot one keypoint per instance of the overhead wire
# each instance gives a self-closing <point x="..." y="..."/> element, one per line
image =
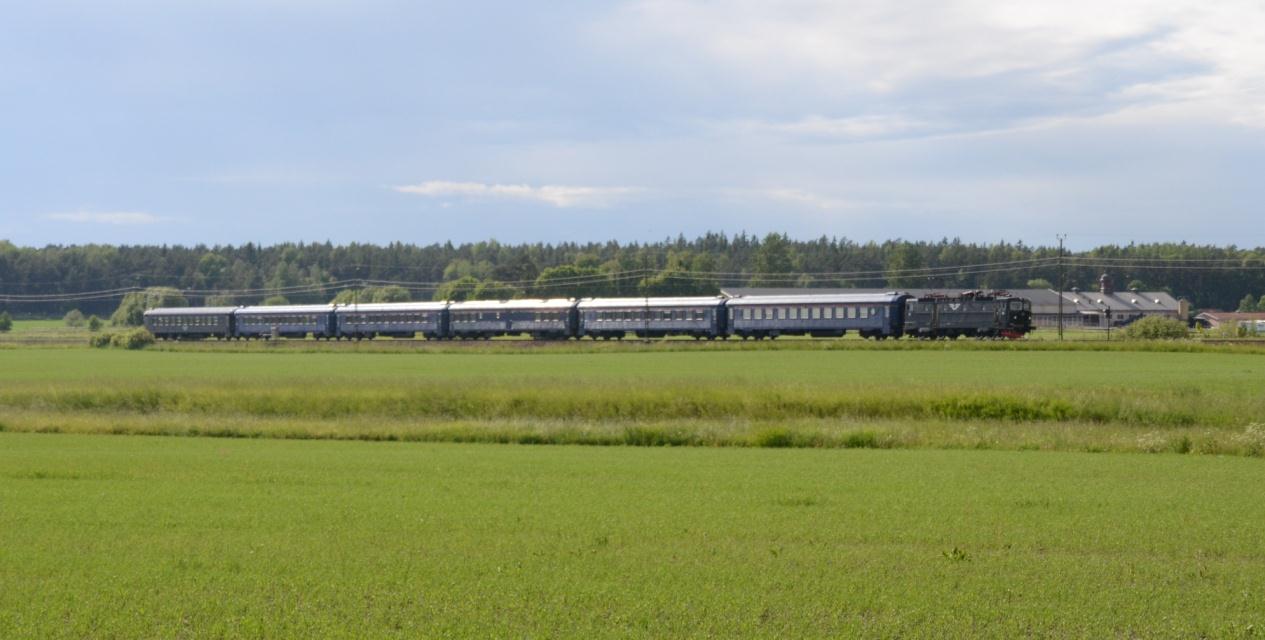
<point x="721" y="277"/>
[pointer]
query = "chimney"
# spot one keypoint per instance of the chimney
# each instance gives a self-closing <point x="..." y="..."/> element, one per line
<point x="1104" y="285"/>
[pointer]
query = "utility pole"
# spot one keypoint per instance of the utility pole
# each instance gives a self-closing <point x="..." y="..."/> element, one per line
<point x="1061" y="237"/>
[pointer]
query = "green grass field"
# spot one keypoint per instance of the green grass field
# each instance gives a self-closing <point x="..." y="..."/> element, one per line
<point x="196" y="537"/>
<point x="766" y="526"/>
<point x="948" y="397"/>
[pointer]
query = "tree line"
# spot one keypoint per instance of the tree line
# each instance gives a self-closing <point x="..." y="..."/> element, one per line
<point x="1208" y="276"/>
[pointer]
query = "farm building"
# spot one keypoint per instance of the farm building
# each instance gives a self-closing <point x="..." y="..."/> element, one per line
<point x="1213" y="319"/>
<point x="1080" y="308"/>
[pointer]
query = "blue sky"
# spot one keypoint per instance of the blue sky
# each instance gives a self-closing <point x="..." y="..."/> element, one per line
<point x="286" y="120"/>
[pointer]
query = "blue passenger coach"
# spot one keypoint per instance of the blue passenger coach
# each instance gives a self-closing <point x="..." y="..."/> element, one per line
<point x="394" y="319"/>
<point x="295" y="321"/>
<point x="870" y="315"/>
<point x="482" y="319"/>
<point x="190" y="323"/>
<point x="608" y="318"/>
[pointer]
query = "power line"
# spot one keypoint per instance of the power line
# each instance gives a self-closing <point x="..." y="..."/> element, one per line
<point x="719" y="277"/>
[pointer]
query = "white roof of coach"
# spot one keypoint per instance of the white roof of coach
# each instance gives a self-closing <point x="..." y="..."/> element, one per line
<point x="292" y="308"/>
<point x="190" y="311"/>
<point x="510" y="305"/>
<point x="838" y="298"/>
<point x="392" y="307"/>
<point x="635" y="303"/>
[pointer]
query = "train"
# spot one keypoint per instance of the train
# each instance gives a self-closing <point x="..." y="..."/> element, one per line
<point x="976" y="314"/>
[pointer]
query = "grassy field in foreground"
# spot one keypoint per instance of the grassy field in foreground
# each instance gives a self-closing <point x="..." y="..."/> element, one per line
<point x="1074" y="400"/>
<point x="186" y="537"/>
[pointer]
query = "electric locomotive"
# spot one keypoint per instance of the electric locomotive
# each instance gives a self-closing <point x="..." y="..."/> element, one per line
<point x="974" y="314"/>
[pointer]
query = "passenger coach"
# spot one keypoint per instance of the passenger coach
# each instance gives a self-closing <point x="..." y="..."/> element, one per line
<point x="870" y="315"/>
<point x="608" y="318"/>
<point x="190" y="323"/>
<point x="295" y="321"/>
<point x="483" y="319"/>
<point x="395" y="319"/>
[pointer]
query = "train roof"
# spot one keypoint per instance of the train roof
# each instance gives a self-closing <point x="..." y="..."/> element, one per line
<point x="291" y="308"/>
<point x="390" y="307"/>
<point x="833" y="298"/>
<point x="189" y="311"/>
<point x="475" y="305"/>
<point x="633" y="303"/>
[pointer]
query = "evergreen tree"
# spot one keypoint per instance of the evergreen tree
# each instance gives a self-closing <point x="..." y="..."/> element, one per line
<point x="773" y="262"/>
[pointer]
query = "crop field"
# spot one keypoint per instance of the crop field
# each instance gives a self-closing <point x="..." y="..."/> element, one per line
<point x="200" y="537"/>
<point x="803" y="489"/>
<point x="948" y="397"/>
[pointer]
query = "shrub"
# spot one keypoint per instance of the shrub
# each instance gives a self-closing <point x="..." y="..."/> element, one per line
<point x="131" y="311"/>
<point x="1156" y="328"/>
<point x="6" y="322"/>
<point x="275" y="301"/>
<point x="134" y="339"/>
<point x="73" y="318"/>
<point x="94" y="324"/>
<point x="100" y="340"/>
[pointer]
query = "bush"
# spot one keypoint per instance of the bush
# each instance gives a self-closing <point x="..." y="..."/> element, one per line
<point x="275" y="301"/>
<point x="131" y="311"/>
<point x="134" y="339"/>
<point x="1156" y="328"/>
<point x="6" y="322"/>
<point x="73" y="318"/>
<point x="94" y="324"/>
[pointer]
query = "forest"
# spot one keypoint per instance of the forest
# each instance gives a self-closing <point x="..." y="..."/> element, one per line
<point x="51" y="280"/>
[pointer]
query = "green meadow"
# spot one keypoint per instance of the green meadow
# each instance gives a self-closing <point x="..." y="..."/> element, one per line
<point x="949" y="397"/>
<point x="199" y="537"/>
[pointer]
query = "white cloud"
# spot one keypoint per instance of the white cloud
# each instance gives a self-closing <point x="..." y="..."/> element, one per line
<point x="556" y="195"/>
<point x="107" y="217"/>
<point x="870" y="66"/>
<point x="789" y="195"/>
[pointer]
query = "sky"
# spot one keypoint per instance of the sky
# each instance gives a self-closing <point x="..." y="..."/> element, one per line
<point x="378" y="121"/>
